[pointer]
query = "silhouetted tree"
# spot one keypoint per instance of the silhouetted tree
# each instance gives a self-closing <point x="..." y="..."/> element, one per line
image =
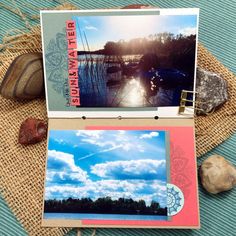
<point x="103" y="206"/>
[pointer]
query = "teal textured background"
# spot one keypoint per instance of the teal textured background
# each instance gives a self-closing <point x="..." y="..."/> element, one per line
<point x="217" y="20"/>
<point x="217" y="32"/>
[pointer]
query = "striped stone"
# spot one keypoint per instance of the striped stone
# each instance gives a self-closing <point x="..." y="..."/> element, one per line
<point x="24" y="78"/>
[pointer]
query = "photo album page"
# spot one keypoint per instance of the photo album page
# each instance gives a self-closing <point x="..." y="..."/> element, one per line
<point x="137" y="171"/>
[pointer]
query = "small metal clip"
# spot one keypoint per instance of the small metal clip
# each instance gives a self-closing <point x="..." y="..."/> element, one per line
<point x="184" y="99"/>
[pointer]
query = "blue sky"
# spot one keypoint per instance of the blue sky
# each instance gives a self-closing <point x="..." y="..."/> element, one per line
<point x="93" y="163"/>
<point x="100" y="29"/>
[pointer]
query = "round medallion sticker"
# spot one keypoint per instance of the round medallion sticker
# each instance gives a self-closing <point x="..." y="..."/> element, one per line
<point x="175" y="199"/>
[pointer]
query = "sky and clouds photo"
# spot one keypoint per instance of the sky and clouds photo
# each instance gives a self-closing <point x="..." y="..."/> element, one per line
<point x="107" y="163"/>
<point x="101" y="29"/>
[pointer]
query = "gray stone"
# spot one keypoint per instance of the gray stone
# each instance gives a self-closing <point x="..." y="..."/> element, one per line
<point x="212" y="91"/>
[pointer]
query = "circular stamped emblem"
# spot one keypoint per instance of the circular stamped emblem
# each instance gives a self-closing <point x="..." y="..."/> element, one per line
<point x="175" y="199"/>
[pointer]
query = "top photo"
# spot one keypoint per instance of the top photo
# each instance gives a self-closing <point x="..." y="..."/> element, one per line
<point x="135" y="61"/>
<point x="119" y="58"/>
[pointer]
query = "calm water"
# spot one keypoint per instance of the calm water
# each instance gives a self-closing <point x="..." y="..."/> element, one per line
<point x="101" y="89"/>
<point x="79" y="216"/>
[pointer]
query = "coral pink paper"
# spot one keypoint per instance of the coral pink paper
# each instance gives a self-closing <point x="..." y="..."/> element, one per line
<point x="183" y="174"/>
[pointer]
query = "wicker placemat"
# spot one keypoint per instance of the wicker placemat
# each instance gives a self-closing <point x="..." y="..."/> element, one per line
<point x="213" y="129"/>
<point x="22" y="168"/>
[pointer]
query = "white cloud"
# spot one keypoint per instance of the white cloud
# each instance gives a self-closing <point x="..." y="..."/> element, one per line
<point x="135" y="189"/>
<point x="188" y="31"/>
<point x="140" y="148"/>
<point x="68" y="168"/>
<point x="90" y="133"/>
<point x="98" y="142"/>
<point x="108" y="141"/>
<point x="66" y="158"/>
<point x="135" y="168"/>
<point x="90" y="27"/>
<point x="121" y="132"/>
<point x="127" y="146"/>
<point x="121" y="136"/>
<point x="150" y="135"/>
<point x="97" y="138"/>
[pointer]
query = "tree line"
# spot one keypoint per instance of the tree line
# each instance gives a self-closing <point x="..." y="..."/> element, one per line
<point x="158" y="43"/>
<point x="172" y="51"/>
<point x="103" y="206"/>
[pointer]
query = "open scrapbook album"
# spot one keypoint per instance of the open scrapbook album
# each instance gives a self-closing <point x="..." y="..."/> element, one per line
<point x="120" y="99"/>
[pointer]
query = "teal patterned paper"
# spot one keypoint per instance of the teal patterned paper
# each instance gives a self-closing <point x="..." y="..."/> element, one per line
<point x="55" y="59"/>
<point x="56" y="62"/>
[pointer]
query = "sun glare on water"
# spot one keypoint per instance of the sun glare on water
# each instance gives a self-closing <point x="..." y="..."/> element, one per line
<point x="134" y="93"/>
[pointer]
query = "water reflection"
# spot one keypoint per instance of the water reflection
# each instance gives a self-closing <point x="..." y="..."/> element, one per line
<point x="131" y="95"/>
<point x="104" y="83"/>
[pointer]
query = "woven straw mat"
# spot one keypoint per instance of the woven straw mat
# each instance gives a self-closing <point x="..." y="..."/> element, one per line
<point x="22" y="168"/>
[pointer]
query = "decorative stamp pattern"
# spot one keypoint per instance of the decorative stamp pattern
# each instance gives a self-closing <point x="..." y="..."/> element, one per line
<point x="56" y="62"/>
<point x="175" y="199"/>
<point x="180" y="170"/>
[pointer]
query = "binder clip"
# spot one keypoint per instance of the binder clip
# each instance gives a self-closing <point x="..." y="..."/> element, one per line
<point x="184" y="100"/>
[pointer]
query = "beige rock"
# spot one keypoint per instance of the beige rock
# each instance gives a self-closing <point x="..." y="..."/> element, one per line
<point x="24" y="78"/>
<point x="217" y="174"/>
